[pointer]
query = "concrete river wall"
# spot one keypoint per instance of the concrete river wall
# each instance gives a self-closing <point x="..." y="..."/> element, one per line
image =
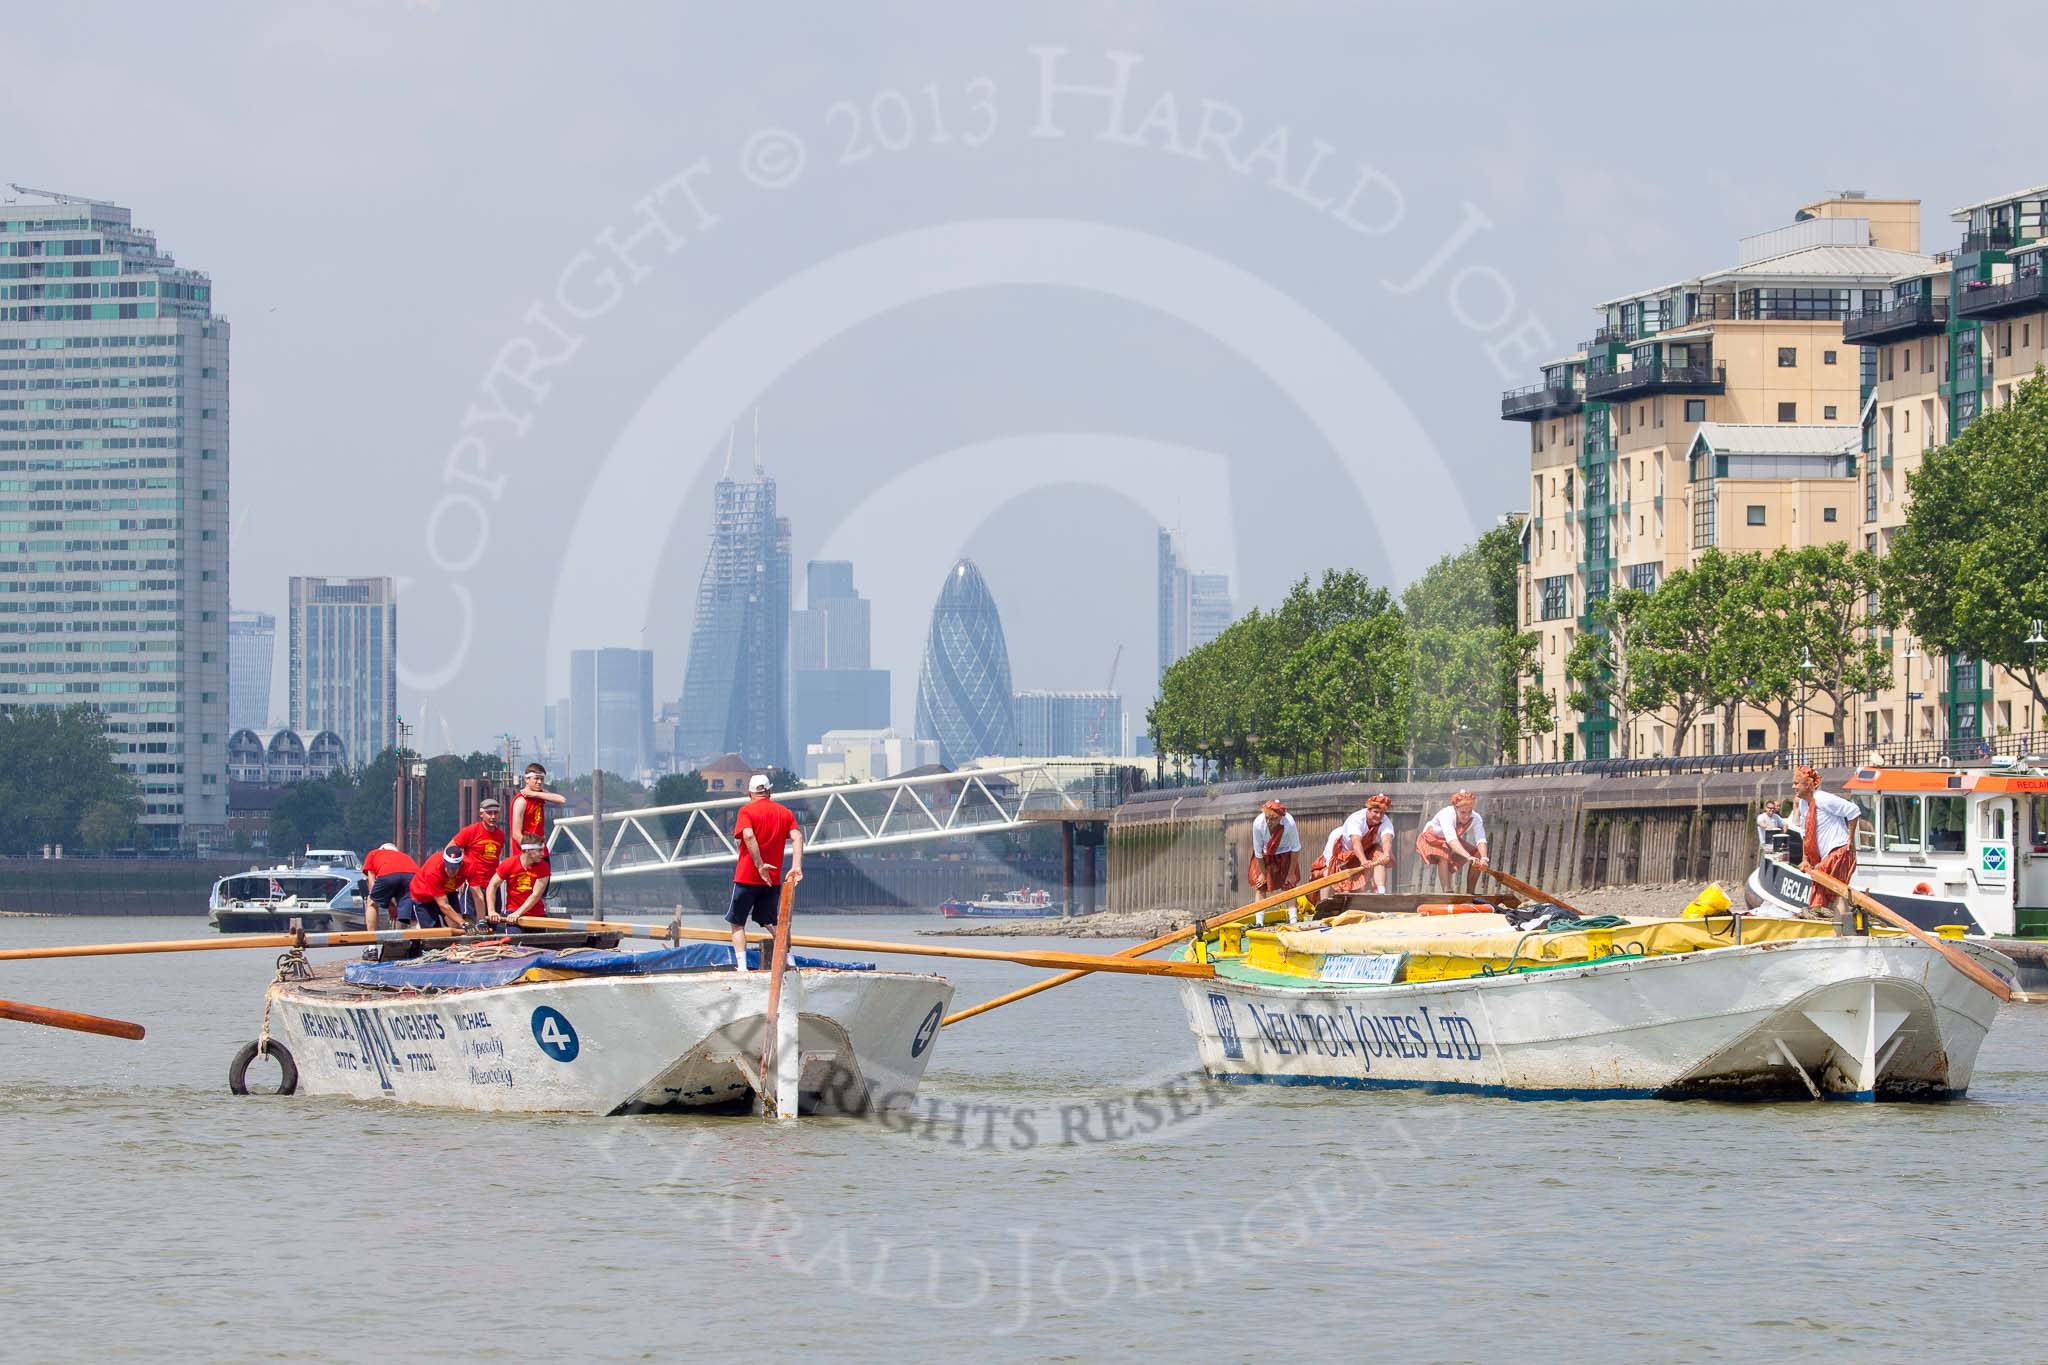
<point x="1186" y="848"/>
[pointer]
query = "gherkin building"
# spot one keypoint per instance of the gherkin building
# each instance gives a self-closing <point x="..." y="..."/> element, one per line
<point x="963" y="690"/>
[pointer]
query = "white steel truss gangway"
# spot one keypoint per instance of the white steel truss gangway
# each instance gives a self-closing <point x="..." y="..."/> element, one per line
<point x="902" y="810"/>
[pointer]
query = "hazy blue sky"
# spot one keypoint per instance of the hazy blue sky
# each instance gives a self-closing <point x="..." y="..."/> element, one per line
<point x="976" y="317"/>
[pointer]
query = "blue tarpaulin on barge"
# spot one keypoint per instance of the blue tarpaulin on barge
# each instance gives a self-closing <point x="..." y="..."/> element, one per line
<point x="447" y="975"/>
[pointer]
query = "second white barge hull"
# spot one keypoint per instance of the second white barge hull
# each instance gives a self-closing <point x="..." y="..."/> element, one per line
<point x="1847" y="1018"/>
<point x="614" y="1044"/>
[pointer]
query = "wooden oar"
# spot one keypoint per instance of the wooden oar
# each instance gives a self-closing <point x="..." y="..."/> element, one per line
<point x="346" y="938"/>
<point x="1959" y="959"/>
<point x="1092" y="962"/>
<point x="1520" y="887"/>
<point x="778" y="960"/>
<point x="82" y="1023"/>
<point x="1163" y="941"/>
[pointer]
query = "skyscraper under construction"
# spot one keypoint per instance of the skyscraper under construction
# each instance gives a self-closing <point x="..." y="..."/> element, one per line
<point x="736" y="685"/>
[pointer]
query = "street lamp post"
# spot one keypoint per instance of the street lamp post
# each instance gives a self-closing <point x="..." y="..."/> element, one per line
<point x="1806" y="695"/>
<point x="1911" y="697"/>
<point x="2034" y="643"/>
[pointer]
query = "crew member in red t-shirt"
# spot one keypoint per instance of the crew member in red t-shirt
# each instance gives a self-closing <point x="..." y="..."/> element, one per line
<point x="482" y="842"/>
<point x="761" y="828"/>
<point x="530" y="805"/>
<point x="525" y="877"/>
<point x="390" y="872"/>
<point x="432" y="901"/>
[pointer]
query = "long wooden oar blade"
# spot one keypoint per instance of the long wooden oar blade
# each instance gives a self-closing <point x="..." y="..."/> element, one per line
<point x="1086" y="962"/>
<point x="1959" y="959"/>
<point x="1163" y="941"/>
<point x="79" y="1023"/>
<point x="1520" y="887"/>
<point x="347" y="938"/>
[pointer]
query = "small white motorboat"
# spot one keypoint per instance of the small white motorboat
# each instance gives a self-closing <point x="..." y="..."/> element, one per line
<point x="1645" y="1008"/>
<point x="597" y="1031"/>
<point x="320" y="891"/>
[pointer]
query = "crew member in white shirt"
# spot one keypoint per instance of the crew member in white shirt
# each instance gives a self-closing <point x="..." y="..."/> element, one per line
<point x="1369" y="841"/>
<point x="1276" y="850"/>
<point x="1827" y="826"/>
<point x="1455" y="838"/>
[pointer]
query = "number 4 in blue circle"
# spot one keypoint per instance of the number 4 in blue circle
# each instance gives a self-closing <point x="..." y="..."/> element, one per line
<point x="555" y="1034"/>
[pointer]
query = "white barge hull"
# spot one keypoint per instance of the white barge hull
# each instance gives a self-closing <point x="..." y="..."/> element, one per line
<point x="1848" y="1018"/>
<point x="614" y="1044"/>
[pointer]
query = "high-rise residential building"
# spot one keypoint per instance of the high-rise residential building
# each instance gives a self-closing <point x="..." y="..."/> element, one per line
<point x="611" y="712"/>
<point x="342" y="661"/>
<point x="963" y="690"/>
<point x="1209" y="607"/>
<point x="1942" y="345"/>
<point x="1721" y="410"/>
<point x="1194" y="608"/>
<point x="1173" y="600"/>
<point x="832" y="686"/>
<point x="114" y="538"/>
<point x="252" y="645"/>
<point x="736" y="682"/>
<point x="1068" y="724"/>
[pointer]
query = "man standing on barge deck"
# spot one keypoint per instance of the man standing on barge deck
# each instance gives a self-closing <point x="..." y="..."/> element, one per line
<point x="761" y="828"/>
<point x="1827" y="824"/>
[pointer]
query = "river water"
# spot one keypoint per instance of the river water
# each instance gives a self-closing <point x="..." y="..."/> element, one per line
<point x="144" y="1211"/>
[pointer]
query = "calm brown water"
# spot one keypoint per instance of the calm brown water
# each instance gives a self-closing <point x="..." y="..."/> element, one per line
<point x="145" y="1212"/>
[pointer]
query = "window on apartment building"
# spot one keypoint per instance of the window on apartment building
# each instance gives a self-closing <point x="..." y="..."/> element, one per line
<point x="1888" y="369"/>
<point x="1827" y="514"/>
<point x="1755" y="514"/>
<point x="2026" y="334"/>
<point x="1906" y="420"/>
<point x="1870" y="495"/>
<point x="1657" y="410"/>
<point x="1827" y="413"/>
<point x="1788" y="412"/>
<point x="1753" y="740"/>
<point x="1557" y="597"/>
<point x="1827" y="357"/>
<point x="1927" y="354"/>
<point x="2005" y="339"/>
<point x="1626" y="426"/>
<point x="1568" y="748"/>
<point x="1553" y="433"/>
<point x="1640" y="419"/>
<point x="1788" y="357"/>
<point x="1695" y="409"/>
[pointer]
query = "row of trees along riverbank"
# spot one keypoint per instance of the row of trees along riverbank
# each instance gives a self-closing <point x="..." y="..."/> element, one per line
<point x="1342" y="674"/>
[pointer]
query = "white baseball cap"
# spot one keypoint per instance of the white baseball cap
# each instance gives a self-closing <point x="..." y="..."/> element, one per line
<point x="758" y="782"/>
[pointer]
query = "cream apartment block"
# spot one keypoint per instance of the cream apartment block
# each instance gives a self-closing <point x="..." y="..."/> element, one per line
<point x="1950" y="341"/>
<point x="1720" y="410"/>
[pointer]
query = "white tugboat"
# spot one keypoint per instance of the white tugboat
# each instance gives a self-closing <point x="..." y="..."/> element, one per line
<point x="1943" y="846"/>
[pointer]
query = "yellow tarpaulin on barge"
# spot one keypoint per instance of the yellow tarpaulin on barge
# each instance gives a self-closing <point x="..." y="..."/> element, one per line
<point x="1439" y="947"/>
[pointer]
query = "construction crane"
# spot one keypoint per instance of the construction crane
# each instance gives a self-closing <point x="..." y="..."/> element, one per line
<point x="62" y="198"/>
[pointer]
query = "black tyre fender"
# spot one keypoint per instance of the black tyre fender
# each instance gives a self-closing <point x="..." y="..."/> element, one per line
<point x="238" y="1069"/>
